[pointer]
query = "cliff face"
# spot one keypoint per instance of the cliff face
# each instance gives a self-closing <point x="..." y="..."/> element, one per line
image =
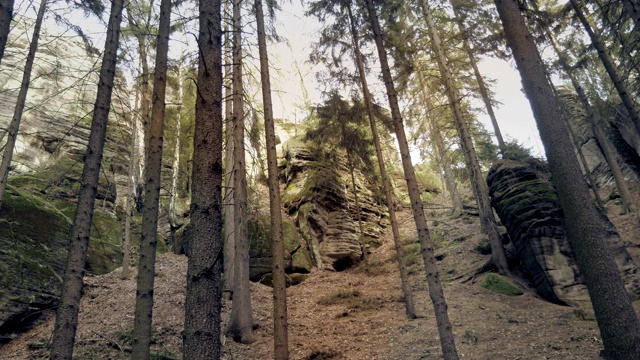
<point x="319" y="194"/>
<point x="47" y="165"/>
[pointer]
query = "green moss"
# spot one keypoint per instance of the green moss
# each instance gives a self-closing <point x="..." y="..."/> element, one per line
<point x="484" y="248"/>
<point x="500" y="284"/>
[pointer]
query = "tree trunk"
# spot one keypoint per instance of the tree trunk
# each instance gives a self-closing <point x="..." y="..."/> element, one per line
<point x="436" y="137"/>
<point x="478" y="183"/>
<point x="126" y="243"/>
<point x="175" y="165"/>
<point x="404" y="277"/>
<point x="619" y="325"/>
<point x="435" y="286"/>
<point x="228" y="193"/>
<point x="204" y="288"/>
<point x="610" y="66"/>
<point x="20" y="103"/>
<point x="607" y="150"/>
<point x="240" y="327"/>
<point x="145" y="93"/>
<point x="67" y="315"/>
<point x="6" y="14"/>
<point x="484" y="93"/>
<point x="141" y="336"/>
<point x="280" y="321"/>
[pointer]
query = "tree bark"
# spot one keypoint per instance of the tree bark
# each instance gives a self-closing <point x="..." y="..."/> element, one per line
<point x="610" y="66"/>
<point x="605" y="146"/>
<point x="204" y="288"/>
<point x="619" y="325"/>
<point x="484" y="93"/>
<point x="280" y="321"/>
<point x="228" y="193"/>
<point x="175" y="165"/>
<point x="14" y="127"/>
<point x="435" y="286"/>
<point x="141" y="336"/>
<point x="436" y="137"/>
<point x="409" y="304"/>
<point x="6" y="14"/>
<point x="240" y="327"/>
<point x="67" y="315"/>
<point x="498" y="257"/>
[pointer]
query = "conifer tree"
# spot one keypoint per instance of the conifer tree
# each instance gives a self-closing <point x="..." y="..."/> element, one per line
<point x="67" y="315"/>
<point x="6" y="14"/>
<point x="618" y="323"/>
<point x="204" y="288"/>
<point x="426" y="247"/>
<point x="141" y="336"/>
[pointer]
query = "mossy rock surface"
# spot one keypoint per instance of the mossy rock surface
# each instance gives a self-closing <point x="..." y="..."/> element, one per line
<point x="33" y="243"/>
<point x="501" y="285"/>
<point x="297" y="257"/>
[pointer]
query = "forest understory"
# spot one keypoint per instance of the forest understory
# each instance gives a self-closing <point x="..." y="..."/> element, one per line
<point x="353" y="314"/>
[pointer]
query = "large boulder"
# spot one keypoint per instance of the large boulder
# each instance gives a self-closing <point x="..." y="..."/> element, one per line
<point x="527" y="204"/>
<point x="319" y="193"/>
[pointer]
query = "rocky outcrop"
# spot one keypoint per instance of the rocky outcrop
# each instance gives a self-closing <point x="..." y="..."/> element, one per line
<point x="620" y="132"/>
<point x="319" y="194"/>
<point x="40" y="203"/>
<point x="527" y="204"/>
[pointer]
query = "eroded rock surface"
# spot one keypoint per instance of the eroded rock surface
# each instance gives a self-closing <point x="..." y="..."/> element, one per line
<point x="319" y="194"/>
<point x="527" y="204"/>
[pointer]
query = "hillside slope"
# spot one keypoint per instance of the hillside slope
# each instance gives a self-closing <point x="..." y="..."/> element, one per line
<point x="350" y="314"/>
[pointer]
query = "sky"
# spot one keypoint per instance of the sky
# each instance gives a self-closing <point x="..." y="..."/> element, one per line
<point x="514" y="112"/>
<point x="289" y="60"/>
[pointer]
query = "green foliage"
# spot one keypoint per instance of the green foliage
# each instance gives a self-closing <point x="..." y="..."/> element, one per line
<point x="501" y="285"/>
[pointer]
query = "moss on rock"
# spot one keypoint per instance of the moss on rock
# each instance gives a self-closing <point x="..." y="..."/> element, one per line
<point x="501" y="285"/>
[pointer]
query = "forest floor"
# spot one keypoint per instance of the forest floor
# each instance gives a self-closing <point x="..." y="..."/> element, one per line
<point x="352" y="314"/>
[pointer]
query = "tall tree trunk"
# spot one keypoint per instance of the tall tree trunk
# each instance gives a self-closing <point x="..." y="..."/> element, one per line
<point x="610" y="66"/>
<point x="436" y="137"/>
<point x="478" y="183"/>
<point x="6" y="14"/>
<point x="204" y="288"/>
<point x="607" y="149"/>
<point x="280" y="321"/>
<point x="228" y="193"/>
<point x="20" y="103"/>
<point x="484" y="93"/>
<point x="175" y="165"/>
<point x="67" y="315"/>
<point x="141" y="336"/>
<point x="619" y="325"/>
<point x="435" y="286"/>
<point x="409" y="304"/>
<point x="240" y="327"/>
<point x="126" y="243"/>
<point x="145" y="91"/>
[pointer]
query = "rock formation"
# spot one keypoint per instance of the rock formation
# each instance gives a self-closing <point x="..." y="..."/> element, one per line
<point x="40" y="202"/>
<point x="318" y="193"/>
<point x="527" y="204"/>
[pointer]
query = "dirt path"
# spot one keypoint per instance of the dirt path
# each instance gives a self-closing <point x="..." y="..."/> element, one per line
<point x="346" y="315"/>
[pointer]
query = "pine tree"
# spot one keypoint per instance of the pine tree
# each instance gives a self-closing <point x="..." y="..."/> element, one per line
<point x="204" y="288"/>
<point x="404" y="277"/>
<point x="619" y="325"/>
<point x="240" y="327"/>
<point x="14" y="127"/>
<point x="280" y="321"/>
<point x="141" y="335"/>
<point x="435" y="287"/>
<point x="67" y="315"/>
<point x="6" y="14"/>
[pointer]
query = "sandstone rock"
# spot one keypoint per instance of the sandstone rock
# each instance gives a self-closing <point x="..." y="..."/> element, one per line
<point x="319" y="193"/>
<point x="526" y="202"/>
